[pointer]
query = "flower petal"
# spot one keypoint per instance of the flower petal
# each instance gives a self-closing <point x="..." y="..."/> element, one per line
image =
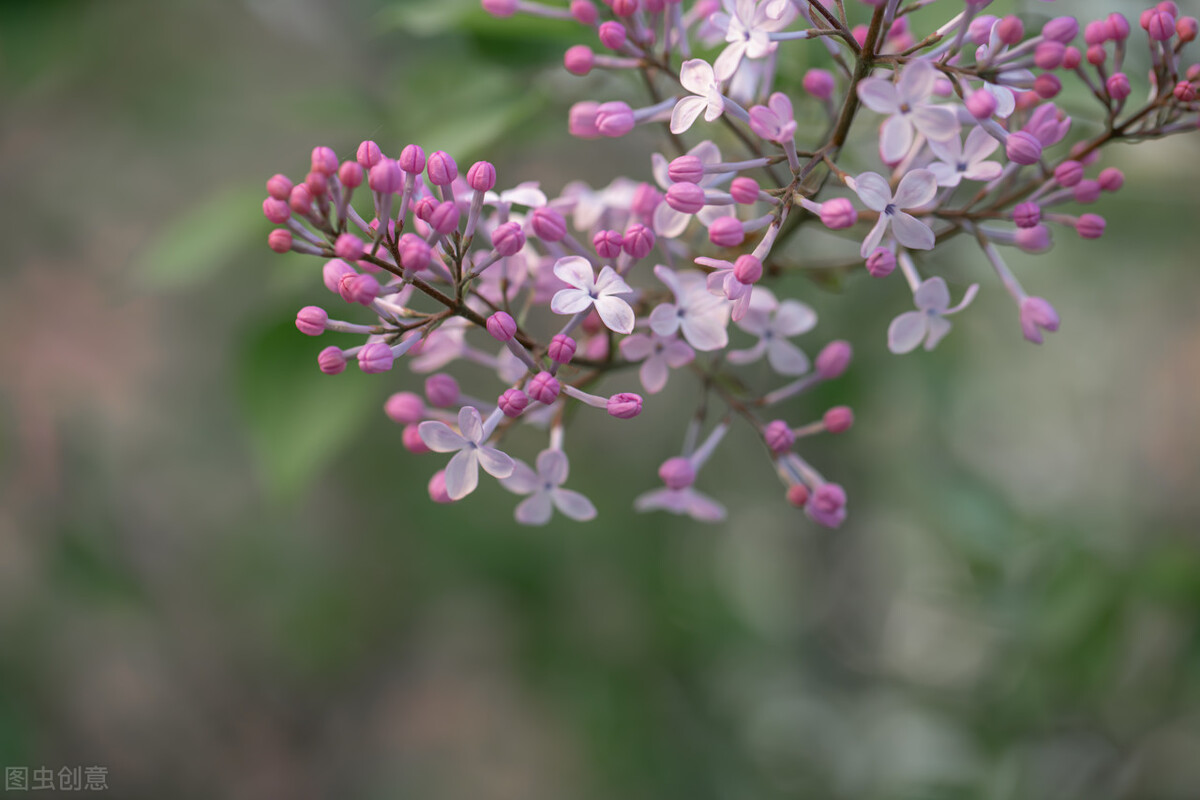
<point x="895" y="138"/>
<point x="440" y="437"/>
<point x="535" y="509"/>
<point x="932" y="295"/>
<point x="462" y="474"/>
<point x="946" y="174"/>
<point x="874" y="190"/>
<point x="615" y="313"/>
<point x="496" y="463"/>
<point x="916" y="82"/>
<point x="787" y="359"/>
<point x="552" y="466"/>
<point x="678" y="353"/>
<point x="874" y="236"/>
<point x="983" y="171"/>
<point x="938" y="328"/>
<point x="575" y="271"/>
<point x="936" y="122"/>
<point x="727" y="63"/>
<point x="470" y="423"/>
<point x="879" y="95"/>
<point x="522" y="480"/>
<point x="911" y="232"/>
<point x="669" y="223"/>
<point x="705" y="331"/>
<point x="636" y="347"/>
<point x="696" y="75"/>
<point x="664" y="319"/>
<point x="979" y="146"/>
<point x="609" y="282"/>
<point x="794" y="318"/>
<point x="907" y="331"/>
<point x="748" y="356"/>
<point x="703" y="508"/>
<point x="573" y="505"/>
<point x="685" y="112"/>
<point x="916" y="189"/>
<point x="570" y="301"/>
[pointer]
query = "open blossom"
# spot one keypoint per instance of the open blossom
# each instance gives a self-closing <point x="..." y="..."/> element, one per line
<point x="470" y="452"/>
<point x="916" y="189"/>
<point x="586" y="290"/>
<point x="907" y="105"/>
<point x="774" y="323"/>
<point x="748" y="27"/>
<point x="544" y="487"/>
<point x="658" y="354"/>
<point x="697" y="77"/>
<point x="697" y="314"/>
<point x="928" y="323"/>
<point x="685" y="501"/>
<point x="957" y="160"/>
<point x="775" y="121"/>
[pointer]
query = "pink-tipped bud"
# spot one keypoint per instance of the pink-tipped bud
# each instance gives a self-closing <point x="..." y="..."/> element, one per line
<point x="334" y="270"/>
<point x="677" y="473"/>
<point x="726" y="232"/>
<point x="508" y="239"/>
<point x="279" y="187"/>
<point x="1061" y="29"/>
<point x="441" y="390"/>
<point x="1087" y="191"/>
<point x="819" y="83"/>
<point x="1090" y="226"/>
<point x="1068" y="173"/>
<point x="311" y="320"/>
<point x="513" y="402"/>
<point x="1047" y="85"/>
<point x="686" y="198"/>
<point x="1034" y="240"/>
<point x="797" y="495"/>
<point x="828" y="505"/>
<point x="645" y="199"/>
<point x="481" y="176"/>
<point x="331" y="360"/>
<point x="502" y="326"/>
<point x="543" y="388"/>
<point x="838" y="419"/>
<point x="1072" y="58"/>
<point x="1118" y="86"/>
<point x="581" y="120"/>
<point x="300" y="200"/>
<point x="375" y="357"/>
<point x="441" y="169"/>
<point x="1169" y="6"/>
<point x="444" y="218"/>
<point x="1097" y="33"/>
<point x="686" y="169"/>
<point x="385" y="177"/>
<point x="624" y="8"/>
<point x="1193" y="73"/>
<point x="638" y="240"/>
<point x="561" y="349"/>
<point x="276" y="210"/>
<point x="415" y="254"/>
<point x="348" y="247"/>
<point x="412" y="159"/>
<point x="1161" y="26"/>
<point x="410" y="437"/>
<point x="350" y="173"/>
<point x="579" y="59"/>
<point x="981" y="103"/>
<point x="368" y="154"/>
<point x="834" y="358"/>
<point x="1111" y="179"/>
<point x="980" y="29"/>
<point x="1010" y="30"/>
<point x="838" y="214"/>
<point x="607" y="244"/>
<point x="1119" y="26"/>
<point x="1186" y="28"/>
<point x="1036" y="316"/>
<point x="437" y="484"/>
<point x="778" y="436"/>
<point x="614" y="119"/>
<point x="625" y="405"/>
<point x="1184" y="92"/>
<point x="1049" y="54"/>
<point x="279" y="240"/>
<point x="747" y="269"/>
<point x="744" y="190"/>
<point x="1023" y="148"/>
<point x="325" y="161"/>
<point x="1026" y="215"/>
<point x="1096" y="55"/>
<point x="360" y="289"/>
<point x="404" y="408"/>
<point x="317" y="183"/>
<point x="547" y="224"/>
<point x="500" y="8"/>
<point x="881" y="262"/>
<point x="584" y="12"/>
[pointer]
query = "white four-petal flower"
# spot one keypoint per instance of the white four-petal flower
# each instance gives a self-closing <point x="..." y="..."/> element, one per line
<point x="701" y="317"/>
<point x="916" y="189"/>
<point x="697" y="77"/>
<point x="774" y="323"/>
<point x="958" y="161"/>
<point x="928" y="323"/>
<point x="687" y="501"/>
<point x="658" y="354"/>
<point x="748" y="27"/>
<point x="470" y="452"/>
<point x="545" y="491"/>
<point x="907" y="105"/>
<point x="586" y="290"/>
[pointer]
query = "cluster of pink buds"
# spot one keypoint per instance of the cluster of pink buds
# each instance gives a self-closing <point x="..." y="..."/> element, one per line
<point x="903" y="140"/>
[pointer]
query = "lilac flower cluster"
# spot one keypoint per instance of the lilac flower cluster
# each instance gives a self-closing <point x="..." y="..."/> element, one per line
<point x="553" y="296"/>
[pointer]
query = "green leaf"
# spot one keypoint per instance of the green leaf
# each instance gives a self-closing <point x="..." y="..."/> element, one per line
<point x="205" y="239"/>
<point x="300" y="418"/>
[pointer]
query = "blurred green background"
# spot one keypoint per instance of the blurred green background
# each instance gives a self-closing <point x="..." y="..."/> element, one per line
<point x="220" y="574"/>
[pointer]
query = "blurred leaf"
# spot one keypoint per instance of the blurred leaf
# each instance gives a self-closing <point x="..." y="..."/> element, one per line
<point x="299" y="417"/>
<point x="205" y="239"/>
<point x="427" y="17"/>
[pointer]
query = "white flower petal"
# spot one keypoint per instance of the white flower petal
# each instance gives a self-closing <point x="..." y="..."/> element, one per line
<point x="727" y="63"/>
<point x="615" y="313"/>
<point x="748" y="356"/>
<point x="653" y="374"/>
<point x="570" y="301"/>
<point x="664" y="319"/>
<point x="983" y="171"/>
<point x="522" y="479"/>
<point x="907" y="330"/>
<point x="979" y="146"/>
<point x="636" y="347"/>
<point x="609" y="282"/>
<point x="685" y="113"/>
<point x="874" y="190"/>
<point x="575" y="271"/>
<point x="946" y="174"/>
<point x="462" y="474"/>
<point x="786" y="359"/>
<point x="705" y="331"/>
<point x="911" y="232"/>
<point x="440" y="437"/>
<point x="916" y="82"/>
<point x="895" y="138"/>
<point x="573" y="505"/>
<point x="879" y="94"/>
<point x="669" y="223"/>
<point x="932" y="295"/>
<point x="794" y="318"/>
<point x="874" y="236"/>
<point x="938" y="328"/>
<point x="535" y="509"/>
<point x="552" y="466"/>
<point x="916" y="189"/>
<point x="470" y="423"/>
<point x="678" y="353"/>
<point x="494" y="462"/>
<point x="696" y="75"/>
<point x="936" y="122"/>
<point x="703" y="508"/>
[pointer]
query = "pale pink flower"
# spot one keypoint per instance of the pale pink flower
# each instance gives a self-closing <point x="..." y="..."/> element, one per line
<point x="774" y="323"/>
<point x="958" y="161"/>
<point x="928" y="323"/>
<point x="687" y="501"/>
<point x="658" y="354"/>
<point x="545" y="491"/>
<point x="907" y="104"/>
<point x="697" y="77"/>
<point x="915" y="190"/>
<point x="586" y="290"/>
<point x="747" y="26"/>
<point x="698" y="315"/>
<point x="470" y="452"/>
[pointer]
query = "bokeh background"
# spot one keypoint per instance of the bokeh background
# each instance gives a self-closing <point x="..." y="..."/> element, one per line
<point x="220" y="574"/>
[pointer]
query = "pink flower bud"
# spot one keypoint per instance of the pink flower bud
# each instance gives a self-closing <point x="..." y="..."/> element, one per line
<point x="301" y="199"/>
<point x="980" y="29"/>
<point x="385" y="177"/>
<point x="543" y="388"/>
<point x="311" y="320"/>
<point x="350" y="173"/>
<point x="881" y="262"/>
<point x="444" y="218"/>
<point x="581" y="120"/>
<point x="1072" y="58"/>
<point x="584" y="12"/>
<point x="645" y="199"/>
<point x="1049" y="54"/>
<point x="561" y="349"/>
<point x="279" y="240"/>
<point x="579" y="59"/>
<point x="547" y="224"/>
<point x="612" y="35"/>
<point x="375" y="357"/>
<point x="797" y="495"/>
<point x="1184" y="92"/>
<point x="1111" y="179"/>
<point x="1010" y="30"/>
<point x="1097" y="33"/>
<point x="726" y="232"/>
<point x="625" y="405"/>
<point x="638" y="240"/>
<point x="441" y="390"/>
<point x="1119" y="26"/>
<point x="686" y="198"/>
<point x="437" y="484"/>
<point x="981" y="103"/>
<point x="513" y="402"/>
<point x="747" y="269"/>
<point x="368" y="154"/>
<point x="1186" y="28"/>
<point x="778" y="436"/>
<point x="412" y="159"/>
<point x="838" y="214"/>
<point x="331" y="360"/>
<point x="614" y="119"/>
<point x="1090" y="226"/>
<point x="686" y="169"/>
<point x="744" y="190"/>
<point x="819" y="83"/>
<point x="481" y="176"/>
<point x="1023" y="148"/>
<point x="624" y="8"/>
<point x="1033" y="240"/>
<point x="1193" y="73"/>
<point x="834" y="358"/>
<point x="502" y="326"/>
<point x="1061" y="29"/>
<point x="1096" y="54"/>
<point x="1037" y="315"/>
<point x="415" y="254"/>
<point x="1169" y="6"/>
<point x="349" y="247"/>
<point x="404" y="408"/>
<point x="1087" y="191"/>
<point x="500" y="8"/>
<point x="508" y="239"/>
<point x="1047" y="85"/>
<point x="1161" y="26"/>
<point x="828" y="505"/>
<point x="279" y="187"/>
<point x="1118" y="86"/>
<point x="607" y="244"/>
<point x="276" y="210"/>
<point x="333" y="272"/>
<point x="410" y="437"/>
<point x="441" y="169"/>
<point x="677" y="473"/>
<point x="1068" y="173"/>
<point x="838" y="419"/>
<point x="325" y="161"/>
